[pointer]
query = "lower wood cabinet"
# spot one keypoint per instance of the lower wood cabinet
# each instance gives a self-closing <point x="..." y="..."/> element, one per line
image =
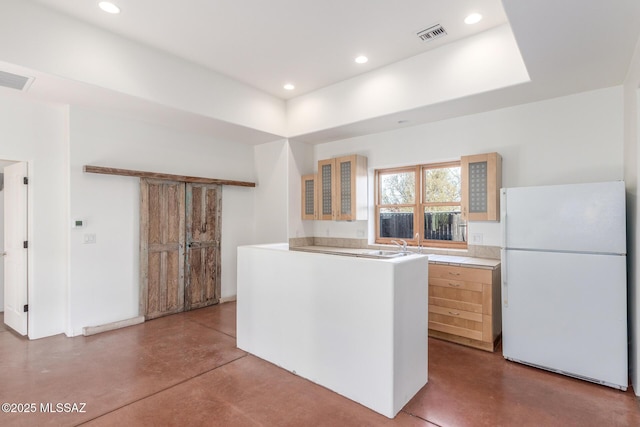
<point x="464" y="305"/>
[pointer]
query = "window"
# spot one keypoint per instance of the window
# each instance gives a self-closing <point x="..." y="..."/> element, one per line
<point x="421" y="199"/>
<point x="396" y="207"/>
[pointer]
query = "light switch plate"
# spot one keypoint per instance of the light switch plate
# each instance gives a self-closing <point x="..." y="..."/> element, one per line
<point x="89" y="238"/>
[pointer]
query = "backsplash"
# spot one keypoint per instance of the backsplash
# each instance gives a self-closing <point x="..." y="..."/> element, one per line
<point x="477" y="251"/>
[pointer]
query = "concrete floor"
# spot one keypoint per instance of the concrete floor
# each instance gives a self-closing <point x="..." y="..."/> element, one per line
<point x="185" y="370"/>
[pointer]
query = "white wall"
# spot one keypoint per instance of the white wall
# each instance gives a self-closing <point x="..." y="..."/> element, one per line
<point x="631" y="136"/>
<point x="103" y="285"/>
<point x="485" y="62"/>
<point x="238" y="217"/>
<point x="577" y="138"/>
<point x="301" y="162"/>
<point x="279" y="166"/>
<point x="271" y="196"/>
<point x="37" y="133"/>
<point x="39" y="38"/>
<point x="3" y="163"/>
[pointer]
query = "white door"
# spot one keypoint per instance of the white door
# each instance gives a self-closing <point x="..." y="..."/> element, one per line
<point x="15" y="236"/>
<point x="566" y="312"/>
<point x="575" y="217"/>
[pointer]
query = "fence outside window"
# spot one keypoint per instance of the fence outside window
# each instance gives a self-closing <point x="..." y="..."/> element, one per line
<point x="446" y="225"/>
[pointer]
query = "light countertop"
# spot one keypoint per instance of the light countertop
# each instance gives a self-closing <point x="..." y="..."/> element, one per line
<point x="464" y="261"/>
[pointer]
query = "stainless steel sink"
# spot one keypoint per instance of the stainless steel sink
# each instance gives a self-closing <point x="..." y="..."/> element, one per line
<point x="384" y="254"/>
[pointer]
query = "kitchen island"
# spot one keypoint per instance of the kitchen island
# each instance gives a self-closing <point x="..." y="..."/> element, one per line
<point x="354" y="324"/>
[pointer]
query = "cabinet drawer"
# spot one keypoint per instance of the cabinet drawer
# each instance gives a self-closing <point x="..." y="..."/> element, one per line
<point x="456" y="284"/>
<point x="455" y="313"/>
<point x="464" y="305"/>
<point x="455" y="305"/>
<point x="456" y="325"/>
<point x="480" y="275"/>
<point x="456" y="294"/>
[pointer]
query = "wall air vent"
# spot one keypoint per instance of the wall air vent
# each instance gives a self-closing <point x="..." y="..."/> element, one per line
<point x="432" y="33"/>
<point x="14" y="81"/>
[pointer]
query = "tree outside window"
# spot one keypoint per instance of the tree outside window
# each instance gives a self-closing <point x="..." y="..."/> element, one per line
<point x="424" y="200"/>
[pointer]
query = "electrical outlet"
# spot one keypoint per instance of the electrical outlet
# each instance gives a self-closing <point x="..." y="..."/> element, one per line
<point x="89" y="238"/>
<point x="476" y="238"/>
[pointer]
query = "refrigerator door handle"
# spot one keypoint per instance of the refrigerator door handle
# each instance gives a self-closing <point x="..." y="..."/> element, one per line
<point x="503" y="216"/>
<point x="503" y="252"/>
<point x="505" y="287"/>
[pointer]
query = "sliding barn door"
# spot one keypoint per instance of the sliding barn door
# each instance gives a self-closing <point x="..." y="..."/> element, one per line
<point x="202" y="283"/>
<point x="162" y="246"/>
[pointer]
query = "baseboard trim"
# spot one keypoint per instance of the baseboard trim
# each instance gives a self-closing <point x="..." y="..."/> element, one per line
<point x="92" y="330"/>
<point x="231" y="298"/>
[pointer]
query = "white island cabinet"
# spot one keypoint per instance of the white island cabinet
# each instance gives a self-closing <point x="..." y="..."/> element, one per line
<point x="355" y="325"/>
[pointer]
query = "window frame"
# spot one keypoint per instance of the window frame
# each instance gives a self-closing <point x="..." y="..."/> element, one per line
<point x="418" y="206"/>
<point x="378" y="172"/>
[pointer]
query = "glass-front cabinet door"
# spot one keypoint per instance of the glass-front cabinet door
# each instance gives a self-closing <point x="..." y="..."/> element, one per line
<point x="326" y="196"/>
<point x="309" y="199"/>
<point x="351" y="188"/>
<point x="481" y="182"/>
<point x="341" y="189"/>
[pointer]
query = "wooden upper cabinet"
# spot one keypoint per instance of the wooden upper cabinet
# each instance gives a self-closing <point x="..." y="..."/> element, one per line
<point x="351" y="188"/>
<point x="326" y="189"/>
<point x="481" y="182"/>
<point x="341" y="189"/>
<point x="309" y="197"/>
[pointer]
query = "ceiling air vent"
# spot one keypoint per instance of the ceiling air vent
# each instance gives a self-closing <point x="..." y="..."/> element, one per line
<point x="432" y="33"/>
<point x="15" y="81"/>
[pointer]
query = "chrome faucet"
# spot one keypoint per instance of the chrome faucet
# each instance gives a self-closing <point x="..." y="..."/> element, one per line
<point x="403" y="245"/>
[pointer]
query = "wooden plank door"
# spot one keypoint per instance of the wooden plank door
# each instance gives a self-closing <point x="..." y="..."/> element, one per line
<point x="202" y="282"/>
<point x="162" y="247"/>
<point x="15" y="256"/>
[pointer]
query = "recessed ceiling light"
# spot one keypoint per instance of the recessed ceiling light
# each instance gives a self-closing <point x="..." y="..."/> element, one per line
<point x="289" y="86"/>
<point x="109" y="7"/>
<point x="361" y="59"/>
<point x="474" y="18"/>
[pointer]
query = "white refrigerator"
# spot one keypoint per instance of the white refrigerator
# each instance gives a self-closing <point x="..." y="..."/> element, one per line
<point x="564" y="286"/>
